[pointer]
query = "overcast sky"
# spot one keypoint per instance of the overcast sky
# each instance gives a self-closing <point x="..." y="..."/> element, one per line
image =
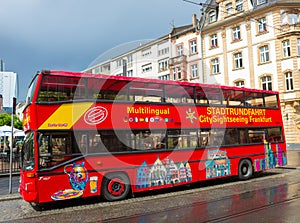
<point x="71" y="34"/>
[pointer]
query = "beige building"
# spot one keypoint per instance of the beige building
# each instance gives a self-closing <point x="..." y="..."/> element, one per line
<point x="256" y="44"/>
<point x="244" y="43"/>
<point x="185" y="62"/>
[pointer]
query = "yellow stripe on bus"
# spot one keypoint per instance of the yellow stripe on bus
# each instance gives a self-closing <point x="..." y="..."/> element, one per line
<point x="66" y="116"/>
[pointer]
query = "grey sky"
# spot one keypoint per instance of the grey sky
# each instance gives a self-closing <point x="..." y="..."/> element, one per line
<point x="70" y="34"/>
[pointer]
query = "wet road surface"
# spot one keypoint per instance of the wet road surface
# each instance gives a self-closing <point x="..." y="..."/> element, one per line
<point x="271" y="197"/>
<point x="274" y="204"/>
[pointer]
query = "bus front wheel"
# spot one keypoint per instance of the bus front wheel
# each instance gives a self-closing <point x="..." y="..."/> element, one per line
<point x="245" y="169"/>
<point x="115" y="186"/>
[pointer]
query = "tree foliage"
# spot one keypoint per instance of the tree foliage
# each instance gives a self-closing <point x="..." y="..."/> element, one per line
<point x="5" y="119"/>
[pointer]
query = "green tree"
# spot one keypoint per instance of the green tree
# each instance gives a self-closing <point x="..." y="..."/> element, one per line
<point x="5" y="119"/>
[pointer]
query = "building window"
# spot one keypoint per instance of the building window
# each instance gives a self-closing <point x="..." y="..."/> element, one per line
<point x="179" y="73"/>
<point x="193" y="46"/>
<point x="214" y="40"/>
<point x="284" y="18"/>
<point x="238" y="60"/>
<point x="163" y="51"/>
<point x="146" y="68"/>
<point x="289" y="18"/>
<point x="130" y="73"/>
<point x="129" y="60"/>
<point x="293" y="18"/>
<point x="165" y="77"/>
<point x="298" y="46"/>
<point x="289" y="81"/>
<point x="266" y="83"/>
<point x="179" y="50"/>
<point x="174" y="74"/>
<point x="286" y="48"/>
<point x="215" y="66"/>
<point x="212" y="16"/>
<point x="194" y="69"/>
<point x="259" y="2"/>
<point x="264" y="54"/>
<point x="119" y="63"/>
<point x="229" y="9"/>
<point x="239" y="5"/>
<point x="96" y="70"/>
<point x="262" y="25"/>
<point x="146" y="53"/>
<point x="163" y="65"/>
<point x="239" y="83"/>
<point x="236" y="33"/>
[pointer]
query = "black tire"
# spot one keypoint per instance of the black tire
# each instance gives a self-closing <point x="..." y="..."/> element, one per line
<point x="245" y="169"/>
<point x="115" y="186"/>
<point x="37" y="207"/>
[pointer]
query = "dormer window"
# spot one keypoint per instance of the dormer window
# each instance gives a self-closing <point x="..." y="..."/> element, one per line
<point x="259" y="2"/>
<point x="229" y="9"/>
<point x="239" y="5"/>
<point x="212" y="16"/>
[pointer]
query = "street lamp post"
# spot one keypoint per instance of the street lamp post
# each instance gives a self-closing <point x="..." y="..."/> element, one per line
<point x="11" y="145"/>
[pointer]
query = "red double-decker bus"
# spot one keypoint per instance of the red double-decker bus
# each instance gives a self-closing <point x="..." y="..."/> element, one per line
<point x="110" y="136"/>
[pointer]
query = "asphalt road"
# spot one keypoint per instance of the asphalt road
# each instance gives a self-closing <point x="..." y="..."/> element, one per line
<point x="273" y="196"/>
<point x="277" y="196"/>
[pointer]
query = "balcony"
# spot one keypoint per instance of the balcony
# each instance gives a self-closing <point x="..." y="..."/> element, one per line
<point x="289" y="28"/>
<point x="177" y="60"/>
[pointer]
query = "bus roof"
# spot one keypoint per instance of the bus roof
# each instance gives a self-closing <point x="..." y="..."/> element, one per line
<point x="150" y="80"/>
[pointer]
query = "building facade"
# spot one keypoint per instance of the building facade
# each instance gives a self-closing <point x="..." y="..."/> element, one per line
<point x="186" y="60"/>
<point x="243" y="43"/>
<point x="150" y="59"/>
<point x="256" y="44"/>
<point x="8" y="88"/>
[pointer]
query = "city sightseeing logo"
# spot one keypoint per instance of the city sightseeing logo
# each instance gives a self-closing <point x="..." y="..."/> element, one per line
<point x="95" y="115"/>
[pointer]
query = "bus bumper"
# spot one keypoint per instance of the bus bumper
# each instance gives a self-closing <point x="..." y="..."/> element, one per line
<point x="28" y="192"/>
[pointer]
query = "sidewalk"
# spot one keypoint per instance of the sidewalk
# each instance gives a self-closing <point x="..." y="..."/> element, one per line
<point x="293" y="158"/>
<point x="4" y="188"/>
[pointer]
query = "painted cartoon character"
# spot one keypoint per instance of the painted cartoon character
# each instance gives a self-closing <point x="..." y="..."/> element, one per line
<point x="78" y="175"/>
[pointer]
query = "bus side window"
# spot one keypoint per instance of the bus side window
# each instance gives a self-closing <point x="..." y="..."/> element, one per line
<point x="204" y="137"/>
<point x="274" y="135"/>
<point x="256" y="136"/>
<point x="243" y="137"/>
<point x="95" y="144"/>
<point x="173" y="137"/>
<point x="231" y="137"/>
<point x="44" y="151"/>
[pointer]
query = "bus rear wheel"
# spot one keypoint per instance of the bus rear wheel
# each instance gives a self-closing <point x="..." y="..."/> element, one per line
<point x="115" y="186"/>
<point x="245" y="169"/>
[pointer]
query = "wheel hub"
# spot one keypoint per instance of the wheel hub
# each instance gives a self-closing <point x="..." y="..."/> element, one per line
<point x="116" y="187"/>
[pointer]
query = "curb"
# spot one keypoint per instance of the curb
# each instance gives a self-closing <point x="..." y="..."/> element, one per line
<point x="9" y="197"/>
<point x="288" y="167"/>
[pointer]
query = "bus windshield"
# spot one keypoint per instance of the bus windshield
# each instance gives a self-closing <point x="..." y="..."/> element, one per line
<point x="31" y="90"/>
<point x="28" y="152"/>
